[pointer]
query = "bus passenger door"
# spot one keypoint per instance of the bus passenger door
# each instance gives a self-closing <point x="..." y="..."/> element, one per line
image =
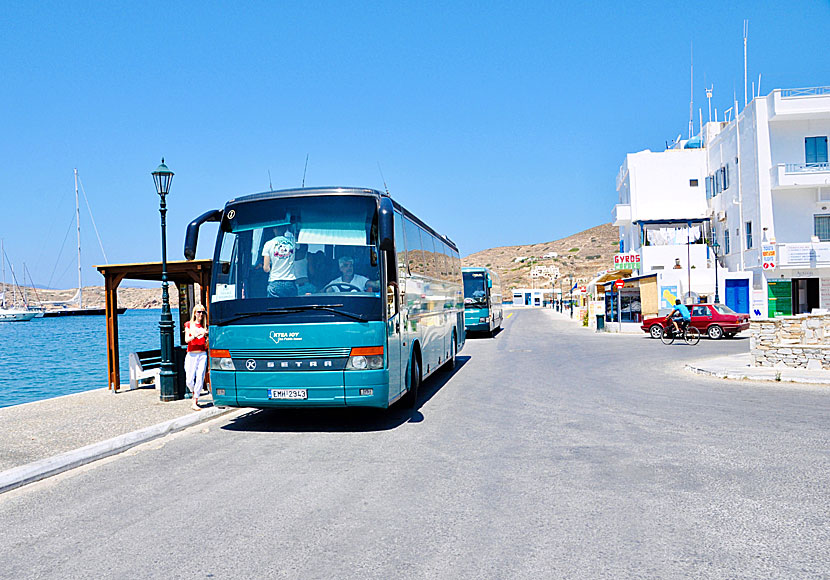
<point x="395" y="325"/>
<point x="394" y="328"/>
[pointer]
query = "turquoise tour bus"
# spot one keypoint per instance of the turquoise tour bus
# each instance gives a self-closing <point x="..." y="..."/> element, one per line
<point x="482" y="300"/>
<point x="328" y="297"/>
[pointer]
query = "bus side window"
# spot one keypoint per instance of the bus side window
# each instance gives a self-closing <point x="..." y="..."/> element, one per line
<point x="400" y="247"/>
<point x="414" y="255"/>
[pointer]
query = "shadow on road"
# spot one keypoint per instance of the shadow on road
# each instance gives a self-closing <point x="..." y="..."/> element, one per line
<point x="478" y="335"/>
<point x="340" y="420"/>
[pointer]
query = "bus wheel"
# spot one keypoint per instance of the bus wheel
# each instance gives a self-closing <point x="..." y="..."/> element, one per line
<point x="410" y="399"/>
<point x="449" y="366"/>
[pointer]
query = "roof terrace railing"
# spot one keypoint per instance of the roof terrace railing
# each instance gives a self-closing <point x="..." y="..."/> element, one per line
<point x="806" y="167"/>
<point x="808" y="92"/>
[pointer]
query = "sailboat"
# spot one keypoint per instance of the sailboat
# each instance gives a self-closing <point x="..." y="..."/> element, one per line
<point x="75" y="305"/>
<point x="11" y="313"/>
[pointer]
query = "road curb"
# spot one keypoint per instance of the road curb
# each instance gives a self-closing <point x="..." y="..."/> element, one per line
<point x="775" y="376"/>
<point x="37" y="470"/>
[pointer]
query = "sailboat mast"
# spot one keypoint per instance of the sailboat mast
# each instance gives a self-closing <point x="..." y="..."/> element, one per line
<point x="78" y="224"/>
<point x="3" y="258"/>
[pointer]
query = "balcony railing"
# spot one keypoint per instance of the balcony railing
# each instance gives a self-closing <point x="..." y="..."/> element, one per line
<point x="808" y="92"/>
<point x="799" y="175"/>
<point x="806" y="167"/>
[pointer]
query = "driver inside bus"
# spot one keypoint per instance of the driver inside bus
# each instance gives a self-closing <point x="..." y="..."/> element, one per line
<point x="348" y="278"/>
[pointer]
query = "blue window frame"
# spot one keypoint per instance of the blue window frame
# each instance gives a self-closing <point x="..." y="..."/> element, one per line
<point x="748" y="235"/>
<point x="815" y="150"/>
<point x="726" y="241"/>
<point x="821" y="225"/>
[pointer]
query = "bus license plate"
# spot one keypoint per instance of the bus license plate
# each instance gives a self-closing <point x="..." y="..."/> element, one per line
<point x="288" y="393"/>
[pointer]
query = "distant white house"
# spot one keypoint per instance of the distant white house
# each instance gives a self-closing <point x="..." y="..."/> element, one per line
<point x="550" y="255"/>
<point x="543" y="271"/>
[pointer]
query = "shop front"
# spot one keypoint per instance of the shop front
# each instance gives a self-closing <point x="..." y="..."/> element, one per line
<point x="630" y="304"/>
<point x="798" y="291"/>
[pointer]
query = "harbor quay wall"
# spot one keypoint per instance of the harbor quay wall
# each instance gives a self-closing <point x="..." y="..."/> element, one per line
<point x="801" y="341"/>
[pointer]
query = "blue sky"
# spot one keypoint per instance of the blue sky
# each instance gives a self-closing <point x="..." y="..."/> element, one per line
<point x="497" y="123"/>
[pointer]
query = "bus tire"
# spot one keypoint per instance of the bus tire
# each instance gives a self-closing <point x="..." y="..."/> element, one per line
<point x="410" y="399"/>
<point x="449" y="366"/>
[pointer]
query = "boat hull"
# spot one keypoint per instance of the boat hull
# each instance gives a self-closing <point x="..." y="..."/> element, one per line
<point x="16" y="315"/>
<point x="79" y="312"/>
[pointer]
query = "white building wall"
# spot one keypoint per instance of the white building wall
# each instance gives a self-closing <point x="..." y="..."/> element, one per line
<point x="658" y="184"/>
<point x="779" y="201"/>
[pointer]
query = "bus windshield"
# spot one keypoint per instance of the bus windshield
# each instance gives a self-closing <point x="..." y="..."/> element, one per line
<point x="475" y="289"/>
<point x="298" y="259"/>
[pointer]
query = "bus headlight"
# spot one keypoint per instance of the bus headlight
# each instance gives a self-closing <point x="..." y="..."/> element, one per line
<point x="220" y="360"/>
<point x="365" y="358"/>
<point x="484" y="319"/>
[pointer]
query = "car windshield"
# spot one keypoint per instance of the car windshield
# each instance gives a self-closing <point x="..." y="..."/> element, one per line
<point x="723" y="309"/>
<point x="475" y="289"/>
<point x="281" y="257"/>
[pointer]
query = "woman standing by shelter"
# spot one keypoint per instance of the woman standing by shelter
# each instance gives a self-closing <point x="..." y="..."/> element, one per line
<point x="195" y="362"/>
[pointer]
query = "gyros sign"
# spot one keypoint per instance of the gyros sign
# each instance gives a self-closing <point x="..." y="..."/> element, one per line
<point x="626" y="261"/>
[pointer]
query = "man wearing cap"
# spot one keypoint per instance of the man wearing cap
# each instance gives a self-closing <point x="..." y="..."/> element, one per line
<point x="348" y="276"/>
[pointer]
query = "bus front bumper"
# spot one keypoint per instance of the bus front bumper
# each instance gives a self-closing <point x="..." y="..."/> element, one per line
<point x="301" y="389"/>
<point x="477" y="320"/>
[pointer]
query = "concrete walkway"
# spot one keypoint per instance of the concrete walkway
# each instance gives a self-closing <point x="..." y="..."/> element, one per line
<point x="735" y="366"/>
<point x="47" y="437"/>
<point x="738" y="367"/>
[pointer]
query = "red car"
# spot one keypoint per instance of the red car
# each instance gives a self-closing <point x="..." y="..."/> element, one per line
<point x="713" y="320"/>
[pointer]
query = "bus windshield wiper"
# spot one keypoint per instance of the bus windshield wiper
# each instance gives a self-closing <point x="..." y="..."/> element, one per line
<point x="295" y="309"/>
<point x="326" y="307"/>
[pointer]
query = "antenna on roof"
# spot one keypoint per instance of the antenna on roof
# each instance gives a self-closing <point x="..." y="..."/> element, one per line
<point x="759" y="85"/>
<point x="305" y="169"/>
<point x="746" y="32"/>
<point x="691" y="88"/>
<point x="270" y="187"/>
<point x="383" y="179"/>
<point x="709" y="98"/>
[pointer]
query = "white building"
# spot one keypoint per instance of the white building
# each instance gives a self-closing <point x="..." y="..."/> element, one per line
<point x="664" y="220"/>
<point x="542" y="271"/>
<point x="768" y="190"/>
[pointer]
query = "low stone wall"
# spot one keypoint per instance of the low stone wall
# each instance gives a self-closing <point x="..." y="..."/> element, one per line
<point x="801" y="341"/>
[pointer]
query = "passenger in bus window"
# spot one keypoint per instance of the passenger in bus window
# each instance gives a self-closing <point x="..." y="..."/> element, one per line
<point x="348" y="280"/>
<point x="278" y="261"/>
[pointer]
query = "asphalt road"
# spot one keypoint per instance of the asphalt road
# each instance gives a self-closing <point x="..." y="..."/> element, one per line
<point x="551" y="452"/>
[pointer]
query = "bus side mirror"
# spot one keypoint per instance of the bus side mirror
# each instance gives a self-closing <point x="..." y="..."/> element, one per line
<point x="191" y="237"/>
<point x="489" y="283"/>
<point x="386" y="224"/>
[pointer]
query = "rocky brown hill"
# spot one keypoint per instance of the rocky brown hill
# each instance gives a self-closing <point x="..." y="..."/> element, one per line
<point x="94" y="296"/>
<point x="583" y="255"/>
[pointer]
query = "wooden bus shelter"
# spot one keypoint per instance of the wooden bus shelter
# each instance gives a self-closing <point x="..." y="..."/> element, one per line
<point x="184" y="274"/>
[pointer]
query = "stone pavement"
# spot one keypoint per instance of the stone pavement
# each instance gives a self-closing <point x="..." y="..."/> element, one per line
<point x="47" y="437"/>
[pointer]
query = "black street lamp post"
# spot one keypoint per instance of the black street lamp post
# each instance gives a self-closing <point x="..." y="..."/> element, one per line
<point x="162" y="177"/>
<point x="715" y="248"/>
<point x="571" y="294"/>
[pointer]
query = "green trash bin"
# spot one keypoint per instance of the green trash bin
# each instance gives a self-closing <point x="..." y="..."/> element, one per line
<point x="600" y="322"/>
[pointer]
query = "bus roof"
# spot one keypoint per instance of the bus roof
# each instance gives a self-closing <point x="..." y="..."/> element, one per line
<point x="339" y="190"/>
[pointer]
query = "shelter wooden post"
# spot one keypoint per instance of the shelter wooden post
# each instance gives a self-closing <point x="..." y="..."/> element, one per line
<point x="111" y="283"/>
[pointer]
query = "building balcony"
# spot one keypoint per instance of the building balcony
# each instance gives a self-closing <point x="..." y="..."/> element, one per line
<point x="799" y="175"/>
<point x="803" y="255"/>
<point x="800" y="104"/>
<point x="675" y="257"/>
<point x="621" y="216"/>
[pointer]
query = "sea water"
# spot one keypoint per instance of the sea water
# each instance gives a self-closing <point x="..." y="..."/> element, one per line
<point x="49" y="357"/>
